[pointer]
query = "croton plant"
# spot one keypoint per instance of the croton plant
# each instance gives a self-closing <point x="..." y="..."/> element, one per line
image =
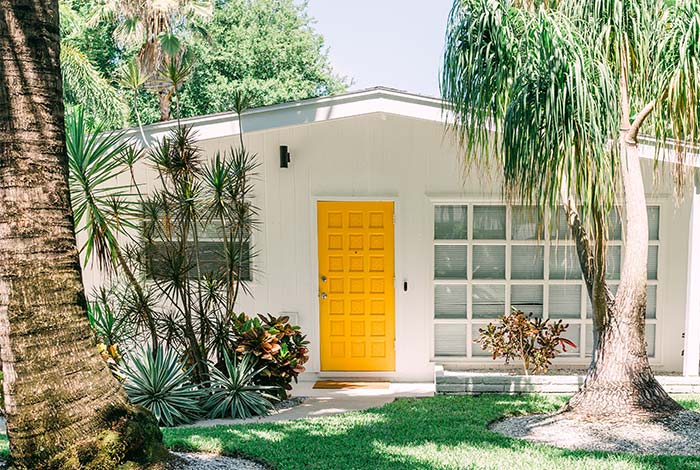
<point x="280" y="347"/>
<point x="532" y="339"/>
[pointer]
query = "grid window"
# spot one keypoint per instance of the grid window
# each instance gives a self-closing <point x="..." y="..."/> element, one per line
<point x="489" y="262"/>
<point x="489" y="258"/>
<point x="488" y="301"/>
<point x="451" y="223"/>
<point x="489" y="223"/>
<point x="527" y="262"/>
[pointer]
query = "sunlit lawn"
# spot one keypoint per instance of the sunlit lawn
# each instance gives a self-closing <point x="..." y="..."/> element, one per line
<point x="431" y="433"/>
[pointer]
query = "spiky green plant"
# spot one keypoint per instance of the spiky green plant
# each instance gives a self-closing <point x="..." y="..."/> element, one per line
<point x="554" y="96"/>
<point x="111" y="327"/>
<point x="94" y="164"/>
<point x="102" y="209"/>
<point x="160" y="382"/>
<point x="234" y="394"/>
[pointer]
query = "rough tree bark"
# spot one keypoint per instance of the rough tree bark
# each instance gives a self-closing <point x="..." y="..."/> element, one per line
<point x="64" y="409"/>
<point x="620" y="382"/>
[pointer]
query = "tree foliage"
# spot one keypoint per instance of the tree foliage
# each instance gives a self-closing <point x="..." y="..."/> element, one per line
<point x="87" y="61"/>
<point x="266" y="48"/>
<point x="545" y="76"/>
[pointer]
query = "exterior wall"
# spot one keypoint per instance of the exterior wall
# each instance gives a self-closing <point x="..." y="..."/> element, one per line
<point x="412" y="162"/>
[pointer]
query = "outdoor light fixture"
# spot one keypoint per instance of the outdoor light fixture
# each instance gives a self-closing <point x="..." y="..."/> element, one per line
<point x="284" y="156"/>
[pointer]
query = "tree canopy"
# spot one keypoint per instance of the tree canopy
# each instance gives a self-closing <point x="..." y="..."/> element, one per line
<point x="265" y="48"/>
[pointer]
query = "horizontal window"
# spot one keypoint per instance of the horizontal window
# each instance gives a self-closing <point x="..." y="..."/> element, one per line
<point x="166" y="259"/>
<point x="489" y="258"/>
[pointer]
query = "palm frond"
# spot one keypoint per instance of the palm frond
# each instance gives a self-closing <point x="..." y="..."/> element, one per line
<point x="101" y="208"/>
<point x="83" y="85"/>
<point x="677" y="114"/>
<point x="526" y="92"/>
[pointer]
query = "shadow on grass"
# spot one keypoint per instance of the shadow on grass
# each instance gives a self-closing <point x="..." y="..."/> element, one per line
<point x="442" y="433"/>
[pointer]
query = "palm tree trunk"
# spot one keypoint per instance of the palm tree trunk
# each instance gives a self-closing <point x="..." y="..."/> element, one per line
<point x="164" y="103"/>
<point x="620" y="381"/>
<point x="59" y="394"/>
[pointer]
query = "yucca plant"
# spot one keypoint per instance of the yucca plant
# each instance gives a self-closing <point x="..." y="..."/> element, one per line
<point x="160" y="382"/>
<point x="234" y="394"/>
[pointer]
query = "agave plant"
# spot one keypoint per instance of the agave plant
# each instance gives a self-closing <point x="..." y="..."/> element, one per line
<point x="234" y="393"/>
<point x="160" y="383"/>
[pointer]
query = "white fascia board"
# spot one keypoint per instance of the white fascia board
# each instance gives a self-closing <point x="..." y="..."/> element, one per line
<point x="378" y="100"/>
<point x="667" y="154"/>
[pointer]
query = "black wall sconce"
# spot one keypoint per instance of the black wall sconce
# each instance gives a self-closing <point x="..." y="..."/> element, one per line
<point x="285" y="156"/>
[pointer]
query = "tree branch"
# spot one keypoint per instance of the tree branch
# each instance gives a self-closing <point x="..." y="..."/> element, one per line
<point x="631" y="137"/>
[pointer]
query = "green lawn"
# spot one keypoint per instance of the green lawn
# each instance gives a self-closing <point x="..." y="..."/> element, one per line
<point x="442" y="433"/>
<point x="431" y="433"/>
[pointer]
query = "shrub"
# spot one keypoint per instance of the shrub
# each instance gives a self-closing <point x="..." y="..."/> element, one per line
<point x="161" y="384"/>
<point x="534" y="340"/>
<point x="279" y="347"/>
<point x="111" y="326"/>
<point x="234" y="393"/>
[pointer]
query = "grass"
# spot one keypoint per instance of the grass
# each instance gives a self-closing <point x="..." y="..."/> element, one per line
<point x="441" y="433"/>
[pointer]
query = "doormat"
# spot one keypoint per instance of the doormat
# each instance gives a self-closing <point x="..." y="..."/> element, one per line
<point x="338" y="385"/>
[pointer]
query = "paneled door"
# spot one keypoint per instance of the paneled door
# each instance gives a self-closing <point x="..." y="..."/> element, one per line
<point x="356" y="285"/>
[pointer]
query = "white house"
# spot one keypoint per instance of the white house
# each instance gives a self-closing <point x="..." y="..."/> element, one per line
<point x="391" y="256"/>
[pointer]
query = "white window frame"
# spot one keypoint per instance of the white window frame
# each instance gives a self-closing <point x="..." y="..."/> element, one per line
<point x="547" y="242"/>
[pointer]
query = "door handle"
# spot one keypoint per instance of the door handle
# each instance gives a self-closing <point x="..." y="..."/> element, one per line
<point x="324" y="295"/>
<point x="324" y="278"/>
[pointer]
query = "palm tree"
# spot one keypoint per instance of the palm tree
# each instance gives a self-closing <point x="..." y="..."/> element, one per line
<point x="568" y="86"/>
<point x="59" y="395"/>
<point x="157" y="28"/>
<point x="83" y="84"/>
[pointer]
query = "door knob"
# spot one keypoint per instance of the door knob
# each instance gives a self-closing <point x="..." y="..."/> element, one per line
<point x="324" y="278"/>
<point x="324" y="295"/>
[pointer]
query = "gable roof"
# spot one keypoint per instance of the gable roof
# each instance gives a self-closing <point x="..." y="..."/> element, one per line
<point x="346" y="105"/>
<point x="327" y="108"/>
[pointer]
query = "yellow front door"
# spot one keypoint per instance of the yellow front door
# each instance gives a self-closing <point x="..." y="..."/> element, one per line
<point x="356" y="285"/>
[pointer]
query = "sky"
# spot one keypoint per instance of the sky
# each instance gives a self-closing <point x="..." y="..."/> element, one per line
<point x="393" y="43"/>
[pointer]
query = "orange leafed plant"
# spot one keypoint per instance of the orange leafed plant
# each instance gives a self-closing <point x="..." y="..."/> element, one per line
<point x="533" y="340"/>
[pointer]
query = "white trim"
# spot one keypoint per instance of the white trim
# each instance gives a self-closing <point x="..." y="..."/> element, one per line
<point x="691" y="350"/>
<point x="375" y="100"/>
<point x="347" y="105"/>
<point x="547" y="243"/>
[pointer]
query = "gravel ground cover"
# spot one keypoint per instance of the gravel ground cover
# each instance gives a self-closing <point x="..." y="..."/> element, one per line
<point x="197" y="461"/>
<point x="675" y="435"/>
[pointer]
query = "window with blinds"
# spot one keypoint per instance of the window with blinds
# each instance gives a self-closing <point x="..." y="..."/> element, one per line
<point x="491" y="257"/>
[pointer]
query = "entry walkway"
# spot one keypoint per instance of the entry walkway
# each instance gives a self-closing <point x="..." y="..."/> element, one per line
<point x="330" y="402"/>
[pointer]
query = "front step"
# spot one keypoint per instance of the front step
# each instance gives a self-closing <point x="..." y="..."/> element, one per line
<point x="451" y="382"/>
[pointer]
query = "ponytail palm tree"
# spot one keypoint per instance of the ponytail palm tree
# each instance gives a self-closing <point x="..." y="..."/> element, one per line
<point x="554" y="94"/>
